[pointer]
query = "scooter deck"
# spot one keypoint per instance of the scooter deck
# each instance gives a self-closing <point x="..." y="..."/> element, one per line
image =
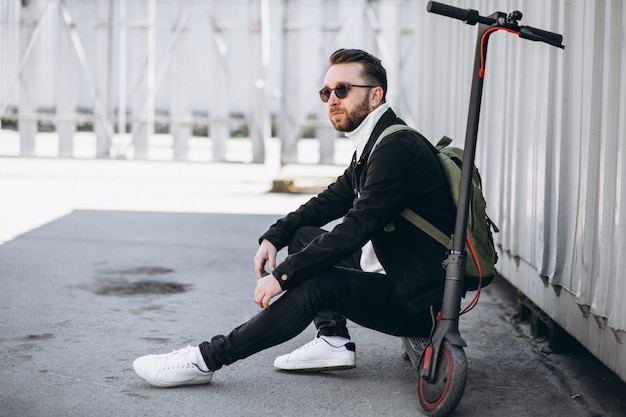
<point x="414" y="348"/>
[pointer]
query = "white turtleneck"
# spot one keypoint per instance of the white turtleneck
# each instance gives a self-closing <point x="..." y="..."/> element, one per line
<point x="362" y="133"/>
<point x="359" y="137"/>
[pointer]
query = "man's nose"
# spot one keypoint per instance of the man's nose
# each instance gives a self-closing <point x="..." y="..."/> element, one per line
<point x="332" y="99"/>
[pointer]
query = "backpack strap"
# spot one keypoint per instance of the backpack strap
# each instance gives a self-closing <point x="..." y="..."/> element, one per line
<point x="417" y="220"/>
<point x="426" y="226"/>
<point x="388" y="131"/>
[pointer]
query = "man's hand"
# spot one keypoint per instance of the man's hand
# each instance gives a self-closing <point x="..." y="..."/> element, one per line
<point x="267" y="252"/>
<point x="267" y="288"/>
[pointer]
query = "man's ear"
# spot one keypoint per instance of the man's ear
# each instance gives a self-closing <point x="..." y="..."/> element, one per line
<point x="376" y="96"/>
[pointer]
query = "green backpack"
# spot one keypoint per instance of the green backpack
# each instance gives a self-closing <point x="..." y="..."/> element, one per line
<point x="479" y="225"/>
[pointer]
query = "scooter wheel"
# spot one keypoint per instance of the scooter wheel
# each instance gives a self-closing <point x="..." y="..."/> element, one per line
<point x="442" y="396"/>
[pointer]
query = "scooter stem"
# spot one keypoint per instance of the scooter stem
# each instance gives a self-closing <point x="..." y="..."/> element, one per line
<point x="448" y="326"/>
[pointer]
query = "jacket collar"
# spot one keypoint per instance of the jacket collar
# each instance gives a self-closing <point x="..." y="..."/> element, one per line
<point x="387" y="119"/>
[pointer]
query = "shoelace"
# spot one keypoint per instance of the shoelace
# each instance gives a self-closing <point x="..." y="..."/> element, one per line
<point x="311" y="343"/>
<point x="178" y="358"/>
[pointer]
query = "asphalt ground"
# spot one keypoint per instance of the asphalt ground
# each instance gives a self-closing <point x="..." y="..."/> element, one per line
<point x="102" y="261"/>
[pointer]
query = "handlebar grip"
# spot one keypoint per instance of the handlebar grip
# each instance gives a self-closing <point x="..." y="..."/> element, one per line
<point x="447" y="10"/>
<point x="534" y="34"/>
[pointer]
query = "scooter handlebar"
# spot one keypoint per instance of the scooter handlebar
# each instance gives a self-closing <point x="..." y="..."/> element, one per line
<point x="469" y="16"/>
<point x="447" y="10"/>
<point x="534" y="34"/>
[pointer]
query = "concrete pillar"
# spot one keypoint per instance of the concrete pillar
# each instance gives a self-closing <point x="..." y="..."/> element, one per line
<point x="27" y="110"/>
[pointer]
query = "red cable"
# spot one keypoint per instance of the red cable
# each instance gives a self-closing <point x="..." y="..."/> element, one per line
<point x="474" y="301"/>
<point x="481" y="74"/>
<point x="481" y="71"/>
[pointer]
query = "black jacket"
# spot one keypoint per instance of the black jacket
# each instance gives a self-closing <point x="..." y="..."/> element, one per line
<point x="403" y="172"/>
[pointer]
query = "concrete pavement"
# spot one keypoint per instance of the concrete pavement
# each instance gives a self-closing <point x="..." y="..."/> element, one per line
<point x="103" y="261"/>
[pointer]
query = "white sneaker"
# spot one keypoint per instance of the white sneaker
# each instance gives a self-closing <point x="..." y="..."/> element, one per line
<point x="318" y="355"/>
<point x="172" y="369"/>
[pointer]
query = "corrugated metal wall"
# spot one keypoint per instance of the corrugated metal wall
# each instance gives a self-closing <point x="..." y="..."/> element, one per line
<point x="552" y="140"/>
<point x="558" y="171"/>
<point x="552" y="150"/>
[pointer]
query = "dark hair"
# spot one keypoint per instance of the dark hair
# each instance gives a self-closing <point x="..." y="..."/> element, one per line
<point x="373" y="69"/>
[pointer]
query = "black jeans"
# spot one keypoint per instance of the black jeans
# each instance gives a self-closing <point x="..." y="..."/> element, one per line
<point x="327" y="323"/>
<point x="363" y="297"/>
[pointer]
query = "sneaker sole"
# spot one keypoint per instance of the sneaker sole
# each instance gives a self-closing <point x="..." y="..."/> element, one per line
<point x="320" y="369"/>
<point x="139" y="371"/>
<point x="316" y="367"/>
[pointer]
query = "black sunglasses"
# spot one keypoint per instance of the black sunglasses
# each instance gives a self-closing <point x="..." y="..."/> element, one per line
<point x="341" y="91"/>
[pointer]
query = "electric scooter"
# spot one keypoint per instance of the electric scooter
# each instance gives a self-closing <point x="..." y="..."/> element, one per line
<point x="440" y="360"/>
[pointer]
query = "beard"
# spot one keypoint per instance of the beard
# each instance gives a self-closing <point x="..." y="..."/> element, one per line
<point x="353" y="118"/>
